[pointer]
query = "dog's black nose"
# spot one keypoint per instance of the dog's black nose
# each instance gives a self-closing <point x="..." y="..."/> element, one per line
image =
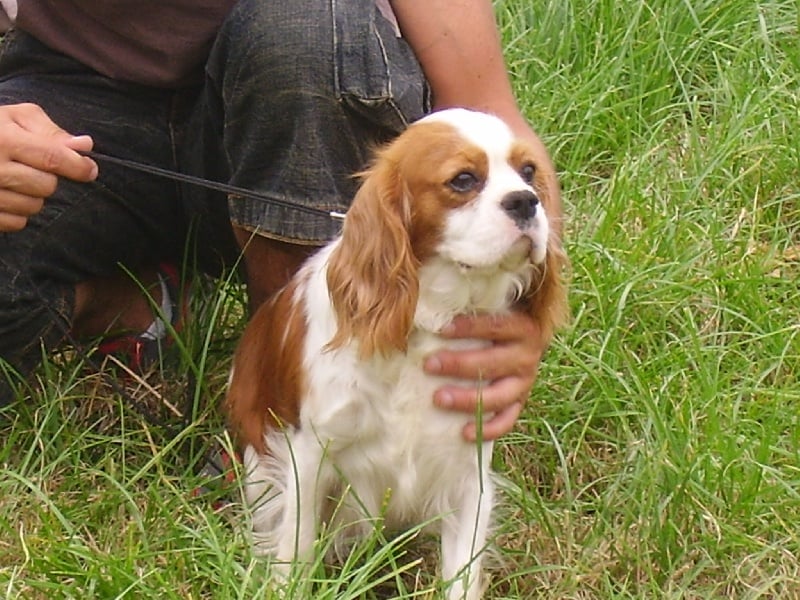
<point x="520" y="206"/>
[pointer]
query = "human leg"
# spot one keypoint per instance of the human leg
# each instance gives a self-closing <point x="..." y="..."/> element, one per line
<point x="115" y="303"/>
<point x="85" y="232"/>
<point x="298" y="94"/>
<point x="271" y="262"/>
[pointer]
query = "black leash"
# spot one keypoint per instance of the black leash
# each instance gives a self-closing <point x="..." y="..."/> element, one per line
<point x="212" y="185"/>
<point x="116" y="386"/>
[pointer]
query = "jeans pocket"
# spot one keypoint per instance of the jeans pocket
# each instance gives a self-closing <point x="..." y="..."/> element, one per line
<point x="377" y="74"/>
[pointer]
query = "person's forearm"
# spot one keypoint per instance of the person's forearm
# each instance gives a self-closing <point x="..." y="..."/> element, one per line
<point x="458" y="46"/>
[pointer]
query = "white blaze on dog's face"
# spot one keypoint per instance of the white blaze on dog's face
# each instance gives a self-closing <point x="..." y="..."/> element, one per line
<point x="495" y="215"/>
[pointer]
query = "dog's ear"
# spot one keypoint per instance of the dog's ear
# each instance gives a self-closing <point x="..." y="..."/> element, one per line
<point x="547" y="298"/>
<point x="373" y="273"/>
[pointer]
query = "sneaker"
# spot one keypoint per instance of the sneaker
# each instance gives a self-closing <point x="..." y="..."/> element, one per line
<point x="219" y="474"/>
<point x="139" y="352"/>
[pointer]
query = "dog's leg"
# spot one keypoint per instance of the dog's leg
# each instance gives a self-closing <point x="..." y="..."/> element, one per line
<point x="306" y="488"/>
<point x="464" y="535"/>
<point x="263" y="487"/>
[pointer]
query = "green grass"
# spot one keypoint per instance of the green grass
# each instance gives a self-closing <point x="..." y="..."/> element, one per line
<point x="658" y="454"/>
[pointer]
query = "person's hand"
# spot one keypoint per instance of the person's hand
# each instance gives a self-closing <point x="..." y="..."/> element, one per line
<point x="34" y="153"/>
<point x="503" y="373"/>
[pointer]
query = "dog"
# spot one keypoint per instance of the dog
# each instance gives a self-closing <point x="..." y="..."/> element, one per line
<point x="327" y="398"/>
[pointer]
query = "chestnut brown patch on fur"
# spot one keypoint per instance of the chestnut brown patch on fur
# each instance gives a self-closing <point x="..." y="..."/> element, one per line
<point x="268" y="381"/>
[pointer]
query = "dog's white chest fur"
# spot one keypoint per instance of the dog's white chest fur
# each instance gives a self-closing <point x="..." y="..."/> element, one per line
<point x="376" y="421"/>
<point x="370" y="442"/>
<point x="390" y="443"/>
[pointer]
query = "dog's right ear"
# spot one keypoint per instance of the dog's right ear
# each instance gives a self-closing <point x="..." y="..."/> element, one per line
<point x="373" y="273"/>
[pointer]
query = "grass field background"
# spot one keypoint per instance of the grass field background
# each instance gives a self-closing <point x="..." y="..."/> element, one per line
<point x="658" y="455"/>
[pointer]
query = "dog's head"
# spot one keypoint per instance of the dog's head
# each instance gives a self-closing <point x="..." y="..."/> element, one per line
<point x="458" y="187"/>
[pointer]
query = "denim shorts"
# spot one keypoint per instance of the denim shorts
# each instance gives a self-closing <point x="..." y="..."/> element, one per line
<point x="296" y="95"/>
<point x="322" y="87"/>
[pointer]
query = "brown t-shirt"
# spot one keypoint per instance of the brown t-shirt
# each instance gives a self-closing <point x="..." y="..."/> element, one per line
<point x="162" y="43"/>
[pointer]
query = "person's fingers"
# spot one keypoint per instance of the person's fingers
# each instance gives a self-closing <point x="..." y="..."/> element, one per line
<point x="11" y="222"/>
<point x="57" y="159"/>
<point x="19" y="204"/>
<point x="501" y="423"/>
<point x="497" y="377"/>
<point x="497" y="328"/>
<point x="80" y="143"/>
<point x="17" y="178"/>
<point x="486" y="364"/>
<point x="494" y="397"/>
<point x="30" y="137"/>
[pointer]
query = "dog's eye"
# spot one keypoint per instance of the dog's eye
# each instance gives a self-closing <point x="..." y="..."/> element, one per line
<point x="464" y="182"/>
<point x="527" y="172"/>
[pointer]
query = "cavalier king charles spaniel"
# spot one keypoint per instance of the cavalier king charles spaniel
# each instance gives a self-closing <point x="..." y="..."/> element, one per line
<point x="328" y="400"/>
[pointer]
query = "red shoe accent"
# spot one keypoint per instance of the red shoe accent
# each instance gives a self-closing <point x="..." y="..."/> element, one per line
<point x="139" y="353"/>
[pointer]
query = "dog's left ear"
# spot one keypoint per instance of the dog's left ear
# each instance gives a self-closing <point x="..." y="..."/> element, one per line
<point x="373" y="273"/>
<point x="547" y="299"/>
